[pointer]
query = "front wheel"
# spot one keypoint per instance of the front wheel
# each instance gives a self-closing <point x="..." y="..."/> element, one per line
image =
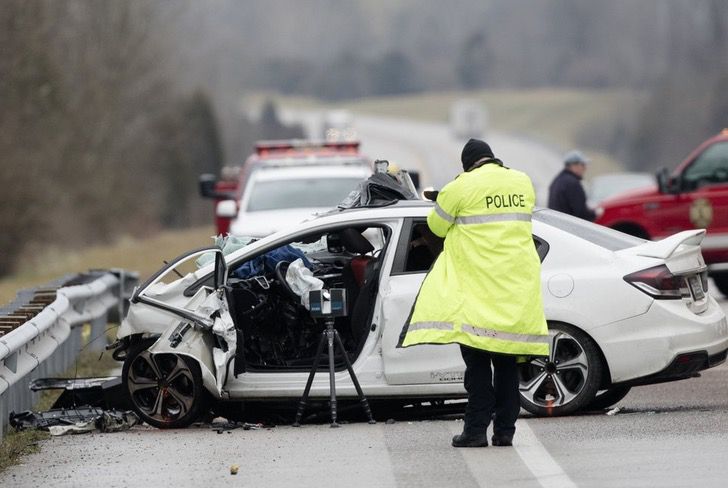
<point x="566" y="381"/>
<point x="165" y="389"/>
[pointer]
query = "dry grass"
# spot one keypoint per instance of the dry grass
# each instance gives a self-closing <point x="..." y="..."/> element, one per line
<point x="15" y="445"/>
<point x="41" y="265"/>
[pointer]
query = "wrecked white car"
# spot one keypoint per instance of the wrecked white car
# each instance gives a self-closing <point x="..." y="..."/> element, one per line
<point x="622" y="312"/>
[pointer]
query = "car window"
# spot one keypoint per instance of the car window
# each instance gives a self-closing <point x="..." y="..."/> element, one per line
<point x="418" y="251"/>
<point x="602" y="187"/>
<point x="299" y="193"/>
<point x="423" y="247"/>
<point x="710" y="167"/>
<point x="605" y="237"/>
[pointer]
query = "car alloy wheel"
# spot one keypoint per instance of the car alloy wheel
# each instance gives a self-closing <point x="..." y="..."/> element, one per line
<point x="567" y="380"/>
<point x="165" y="389"/>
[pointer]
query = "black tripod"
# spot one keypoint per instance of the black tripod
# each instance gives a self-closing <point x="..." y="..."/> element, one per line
<point x="329" y="335"/>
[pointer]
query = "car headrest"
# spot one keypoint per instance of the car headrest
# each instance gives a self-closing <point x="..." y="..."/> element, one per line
<point x="355" y="242"/>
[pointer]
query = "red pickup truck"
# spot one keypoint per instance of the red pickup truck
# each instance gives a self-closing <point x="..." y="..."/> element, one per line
<point x="693" y="196"/>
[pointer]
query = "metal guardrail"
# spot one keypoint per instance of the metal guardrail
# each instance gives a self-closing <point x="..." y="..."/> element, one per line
<point x="40" y="333"/>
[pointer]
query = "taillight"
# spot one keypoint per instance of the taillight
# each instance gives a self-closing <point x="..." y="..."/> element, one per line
<point x="658" y="282"/>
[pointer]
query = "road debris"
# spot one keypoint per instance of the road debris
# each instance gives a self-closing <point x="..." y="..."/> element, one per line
<point x="105" y="392"/>
<point x="614" y="411"/>
<point x="234" y="469"/>
<point x="232" y="425"/>
<point x="62" y="421"/>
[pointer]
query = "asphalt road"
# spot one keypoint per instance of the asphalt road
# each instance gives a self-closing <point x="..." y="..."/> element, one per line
<point x="674" y="434"/>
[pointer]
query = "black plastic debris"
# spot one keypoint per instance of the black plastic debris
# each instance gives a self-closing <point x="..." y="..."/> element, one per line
<point x="105" y="392"/>
<point x="232" y="425"/>
<point x="60" y="421"/>
<point x="378" y="190"/>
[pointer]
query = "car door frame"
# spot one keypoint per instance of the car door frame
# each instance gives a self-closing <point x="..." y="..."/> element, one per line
<point x="367" y="365"/>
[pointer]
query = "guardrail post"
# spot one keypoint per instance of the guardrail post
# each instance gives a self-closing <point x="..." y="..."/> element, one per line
<point x="97" y="341"/>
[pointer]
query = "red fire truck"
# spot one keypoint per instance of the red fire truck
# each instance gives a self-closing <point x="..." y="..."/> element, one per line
<point x="279" y="153"/>
<point x="693" y="196"/>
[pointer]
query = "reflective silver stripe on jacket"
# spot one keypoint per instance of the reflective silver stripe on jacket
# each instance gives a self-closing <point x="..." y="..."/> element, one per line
<point x="506" y="336"/>
<point x="431" y="325"/>
<point x="484" y="219"/>
<point x="444" y="215"/>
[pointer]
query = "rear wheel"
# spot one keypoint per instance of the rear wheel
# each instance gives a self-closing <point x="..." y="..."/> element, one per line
<point x="608" y="397"/>
<point x="567" y="380"/>
<point x="165" y="389"/>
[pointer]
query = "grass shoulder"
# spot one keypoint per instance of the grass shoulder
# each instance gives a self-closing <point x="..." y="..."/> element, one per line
<point x="41" y="264"/>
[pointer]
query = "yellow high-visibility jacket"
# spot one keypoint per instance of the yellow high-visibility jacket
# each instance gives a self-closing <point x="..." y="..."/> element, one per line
<point x="484" y="290"/>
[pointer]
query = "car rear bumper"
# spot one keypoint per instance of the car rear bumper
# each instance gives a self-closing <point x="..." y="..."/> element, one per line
<point x="645" y="347"/>
<point x="683" y="366"/>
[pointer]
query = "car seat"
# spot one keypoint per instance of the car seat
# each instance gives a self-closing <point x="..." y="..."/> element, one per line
<point x="364" y="271"/>
<point x="355" y="243"/>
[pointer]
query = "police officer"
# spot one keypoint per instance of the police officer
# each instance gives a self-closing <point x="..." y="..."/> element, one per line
<point x="566" y="193"/>
<point x="484" y="290"/>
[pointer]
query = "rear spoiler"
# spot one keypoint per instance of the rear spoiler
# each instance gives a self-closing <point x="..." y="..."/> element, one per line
<point x="664" y="248"/>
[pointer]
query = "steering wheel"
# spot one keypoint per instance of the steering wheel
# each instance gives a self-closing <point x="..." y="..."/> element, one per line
<point x="280" y="272"/>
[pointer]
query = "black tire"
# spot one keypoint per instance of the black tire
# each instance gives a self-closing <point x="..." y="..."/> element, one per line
<point x="565" y="382"/>
<point x="160" y="401"/>
<point x="721" y="282"/>
<point x="608" y="397"/>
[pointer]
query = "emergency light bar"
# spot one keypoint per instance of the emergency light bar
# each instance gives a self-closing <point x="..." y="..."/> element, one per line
<point x="318" y="160"/>
<point x="263" y="148"/>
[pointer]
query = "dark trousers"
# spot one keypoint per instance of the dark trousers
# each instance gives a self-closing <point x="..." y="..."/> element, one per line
<point x="490" y="392"/>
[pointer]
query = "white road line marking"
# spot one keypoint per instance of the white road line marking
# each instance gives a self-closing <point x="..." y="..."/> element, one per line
<point x="546" y="470"/>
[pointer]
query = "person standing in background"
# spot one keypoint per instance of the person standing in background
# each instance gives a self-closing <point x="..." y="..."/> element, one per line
<point x="566" y="193"/>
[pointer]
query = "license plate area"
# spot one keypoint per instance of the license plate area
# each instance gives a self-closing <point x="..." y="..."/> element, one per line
<point x="696" y="287"/>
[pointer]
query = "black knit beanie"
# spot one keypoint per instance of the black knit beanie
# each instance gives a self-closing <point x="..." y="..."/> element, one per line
<point x="474" y="151"/>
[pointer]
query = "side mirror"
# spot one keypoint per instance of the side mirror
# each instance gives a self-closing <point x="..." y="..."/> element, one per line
<point x="220" y="270"/>
<point x="226" y="209"/>
<point x="667" y="184"/>
<point x="430" y="195"/>
<point x="662" y="178"/>
<point x="208" y="187"/>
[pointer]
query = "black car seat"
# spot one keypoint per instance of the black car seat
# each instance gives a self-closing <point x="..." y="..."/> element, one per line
<point x="364" y="272"/>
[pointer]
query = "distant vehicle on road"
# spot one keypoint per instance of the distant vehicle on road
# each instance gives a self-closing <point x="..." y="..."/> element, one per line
<point x="338" y="125"/>
<point x="601" y="187"/>
<point x="468" y="118"/>
<point x="277" y="197"/>
<point x="278" y="153"/>
<point x="693" y="196"/>
<point x="237" y="330"/>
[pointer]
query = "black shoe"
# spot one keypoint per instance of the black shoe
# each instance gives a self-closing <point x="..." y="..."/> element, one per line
<point x="463" y="440"/>
<point x="502" y="440"/>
